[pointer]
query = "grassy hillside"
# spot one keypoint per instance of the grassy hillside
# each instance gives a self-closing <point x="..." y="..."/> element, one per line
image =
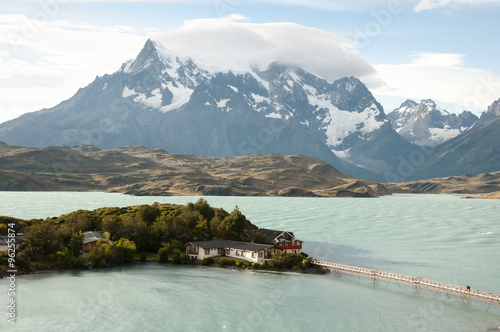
<point x="138" y="170"/>
<point x="486" y="185"/>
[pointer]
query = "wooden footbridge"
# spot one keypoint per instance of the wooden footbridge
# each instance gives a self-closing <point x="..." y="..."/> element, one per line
<point x="466" y="294"/>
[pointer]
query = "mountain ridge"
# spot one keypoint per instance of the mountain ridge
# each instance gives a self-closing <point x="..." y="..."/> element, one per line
<point x="139" y="170"/>
<point x="165" y="100"/>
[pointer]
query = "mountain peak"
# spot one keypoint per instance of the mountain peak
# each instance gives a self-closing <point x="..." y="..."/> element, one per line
<point x="429" y="103"/>
<point x="408" y="103"/>
<point x="492" y="112"/>
<point x="494" y="108"/>
<point x="150" y="45"/>
<point x="154" y="53"/>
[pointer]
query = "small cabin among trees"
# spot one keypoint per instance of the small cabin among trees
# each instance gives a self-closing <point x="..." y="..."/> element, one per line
<point x="90" y="239"/>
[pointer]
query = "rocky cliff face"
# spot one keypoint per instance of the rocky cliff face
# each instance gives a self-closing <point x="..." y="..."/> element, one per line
<point x="492" y="112"/>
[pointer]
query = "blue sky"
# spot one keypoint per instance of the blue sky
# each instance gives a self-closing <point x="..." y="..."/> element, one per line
<point x="446" y="50"/>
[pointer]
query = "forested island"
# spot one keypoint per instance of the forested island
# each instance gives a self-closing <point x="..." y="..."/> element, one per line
<point x="134" y="233"/>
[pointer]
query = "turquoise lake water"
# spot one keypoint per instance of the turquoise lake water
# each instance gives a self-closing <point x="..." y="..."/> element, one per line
<point x="437" y="237"/>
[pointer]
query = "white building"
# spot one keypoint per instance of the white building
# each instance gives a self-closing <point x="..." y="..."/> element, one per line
<point x="252" y="252"/>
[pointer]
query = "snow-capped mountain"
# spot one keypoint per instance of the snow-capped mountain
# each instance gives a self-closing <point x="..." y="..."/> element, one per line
<point x="166" y="100"/>
<point x="426" y="124"/>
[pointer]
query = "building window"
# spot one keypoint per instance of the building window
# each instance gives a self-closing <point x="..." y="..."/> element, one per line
<point x="228" y="252"/>
<point x="207" y="251"/>
<point x="253" y="254"/>
<point x="220" y="251"/>
<point x="237" y="253"/>
<point x="261" y="254"/>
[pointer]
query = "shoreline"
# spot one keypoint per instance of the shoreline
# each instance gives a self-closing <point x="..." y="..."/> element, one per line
<point x="310" y="271"/>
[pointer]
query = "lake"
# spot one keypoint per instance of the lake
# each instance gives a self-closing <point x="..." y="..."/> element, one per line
<point x="438" y="237"/>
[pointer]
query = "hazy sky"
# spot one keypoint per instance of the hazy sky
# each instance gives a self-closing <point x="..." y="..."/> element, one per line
<point x="446" y="50"/>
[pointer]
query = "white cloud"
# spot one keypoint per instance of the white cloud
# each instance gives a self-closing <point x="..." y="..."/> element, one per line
<point x="231" y="43"/>
<point x="435" y="4"/>
<point x="73" y="52"/>
<point x="441" y="77"/>
<point x="226" y="6"/>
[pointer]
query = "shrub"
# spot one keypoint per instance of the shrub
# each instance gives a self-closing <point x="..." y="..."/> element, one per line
<point x="163" y="255"/>
<point x="305" y="264"/>
<point x="222" y="261"/>
<point x="178" y="257"/>
<point x="263" y="265"/>
<point x="255" y="265"/>
<point x="185" y="259"/>
<point x="23" y="261"/>
<point x="241" y="263"/>
<point x="207" y="261"/>
<point x="231" y="262"/>
<point x="124" y="250"/>
<point x="274" y="264"/>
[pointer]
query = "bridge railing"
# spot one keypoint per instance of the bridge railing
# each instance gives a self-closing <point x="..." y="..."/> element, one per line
<point x="411" y="280"/>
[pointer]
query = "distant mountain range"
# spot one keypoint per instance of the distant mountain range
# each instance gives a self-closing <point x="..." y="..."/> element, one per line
<point x="427" y="124"/>
<point x="167" y="101"/>
<point x="138" y="170"/>
<point x="473" y="152"/>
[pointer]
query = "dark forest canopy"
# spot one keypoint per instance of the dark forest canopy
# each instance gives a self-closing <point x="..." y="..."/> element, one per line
<point x="148" y="227"/>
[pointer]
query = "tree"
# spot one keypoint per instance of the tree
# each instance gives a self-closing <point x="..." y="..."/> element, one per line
<point x="163" y="255"/>
<point x="233" y="226"/>
<point x="3" y="229"/>
<point x="125" y="250"/>
<point x="76" y="243"/>
<point x="147" y="214"/>
<point x="204" y="209"/>
<point x="42" y="237"/>
<point x="112" y="224"/>
<point x="99" y="254"/>
<point x="67" y="260"/>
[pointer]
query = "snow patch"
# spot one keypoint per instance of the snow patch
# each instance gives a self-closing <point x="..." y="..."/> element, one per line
<point x="440" y="135"/>
<point x="126" y="69"/>
<point x="260" y="99"/>
<point x="235" y="89"/>
<point x="128" y="92"/>
<point x="181" y="94"/>
<point x="273" y="115"/>
<point x="208" y="104"/>
<point x="153" y="101"/>
<point x="344" y="154"/>
<point x="294" y="76"/>
<point x="222" y="103"/>
<point x="338" y="124"/>
<point x="259" y="79"/>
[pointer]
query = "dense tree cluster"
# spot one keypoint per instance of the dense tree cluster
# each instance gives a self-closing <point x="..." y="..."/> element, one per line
<point x="143" y="228"/>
